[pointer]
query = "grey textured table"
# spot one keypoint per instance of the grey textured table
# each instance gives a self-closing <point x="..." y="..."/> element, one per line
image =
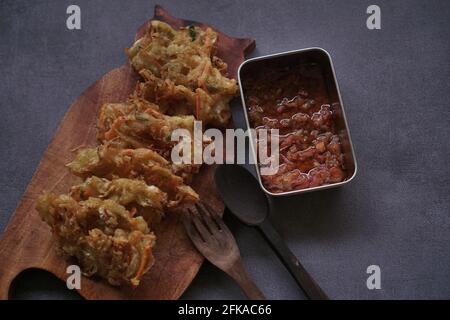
<point x="395" y="86"/>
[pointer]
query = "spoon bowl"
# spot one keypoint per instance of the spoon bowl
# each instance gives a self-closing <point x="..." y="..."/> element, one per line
<point x="242" y="194"/>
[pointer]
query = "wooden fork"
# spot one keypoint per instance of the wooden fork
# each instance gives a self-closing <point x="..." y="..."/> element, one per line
<point x="215" y="241"/>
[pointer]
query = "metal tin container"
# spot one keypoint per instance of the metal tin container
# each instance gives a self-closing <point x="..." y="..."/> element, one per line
<point x="305" y="56"/>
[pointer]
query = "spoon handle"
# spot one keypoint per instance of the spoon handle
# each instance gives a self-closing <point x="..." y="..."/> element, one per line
<point x="301" y="276"/>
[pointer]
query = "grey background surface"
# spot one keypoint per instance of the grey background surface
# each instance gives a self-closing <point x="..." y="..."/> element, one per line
<point x="395" y="87"/>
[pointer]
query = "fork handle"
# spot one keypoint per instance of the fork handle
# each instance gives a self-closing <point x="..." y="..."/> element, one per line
<point x="301" y="276"/>
<point x="240" y="275"/>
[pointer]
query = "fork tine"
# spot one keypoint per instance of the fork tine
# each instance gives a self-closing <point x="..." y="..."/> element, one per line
<point x="190" y="228"/>
<point x="215" y="217"/>
<point x="207" y="218"/>
<point x="202" y="230"/>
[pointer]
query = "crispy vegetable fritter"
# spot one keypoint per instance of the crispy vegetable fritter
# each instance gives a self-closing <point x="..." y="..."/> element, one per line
<point x="102" y="235"/>
<point x="183" y="76"/>
<point x="138" y="124"/>
<point x="135" y="195"/>
<point x="110" y="162"/>
<point x="138" y="127"/>
<point x="129" y="180"/>
<point x="177" y="99"/>
<point x="110" y="112"/>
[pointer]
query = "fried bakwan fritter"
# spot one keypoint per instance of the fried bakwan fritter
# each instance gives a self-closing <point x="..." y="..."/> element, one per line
<point x="129" y="180"/>
<point x="138" y="127"/>
<point x="110" y="112"/>
<point x="108" y="161"/>
<point x="178" y="100"/>
<point x="135" y="195"/>
<point x="132" y="125"/>
<point x="183" y="76"/>
<point x="104" y="237"/>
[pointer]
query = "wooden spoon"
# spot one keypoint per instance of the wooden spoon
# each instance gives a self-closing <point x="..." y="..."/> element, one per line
<point x="244" y="197"/>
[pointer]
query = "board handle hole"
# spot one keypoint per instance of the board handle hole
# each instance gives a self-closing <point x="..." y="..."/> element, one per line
<point x="38" y="284"/>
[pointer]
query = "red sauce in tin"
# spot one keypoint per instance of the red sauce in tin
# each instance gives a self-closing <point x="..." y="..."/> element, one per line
<point x="294" y="100"/>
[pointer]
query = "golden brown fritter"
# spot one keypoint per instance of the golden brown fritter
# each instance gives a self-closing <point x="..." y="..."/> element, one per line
<point x="183" y="76"/>
<point x="138" y="124"/>
<point x="102" y="235"/>
<point x="110" y="112"/>
<point x="130" y="180"/>
<point x="135" y="195"/>
<point x="212" y="109"/>
<point x="108" y="161"/>
<point x="133" y="127"/>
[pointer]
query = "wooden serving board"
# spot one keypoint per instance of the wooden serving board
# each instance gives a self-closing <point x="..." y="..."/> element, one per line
<point x="27" y="241"/>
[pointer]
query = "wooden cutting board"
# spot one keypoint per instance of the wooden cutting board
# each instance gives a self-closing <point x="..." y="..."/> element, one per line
<point x="27" y="242"/>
